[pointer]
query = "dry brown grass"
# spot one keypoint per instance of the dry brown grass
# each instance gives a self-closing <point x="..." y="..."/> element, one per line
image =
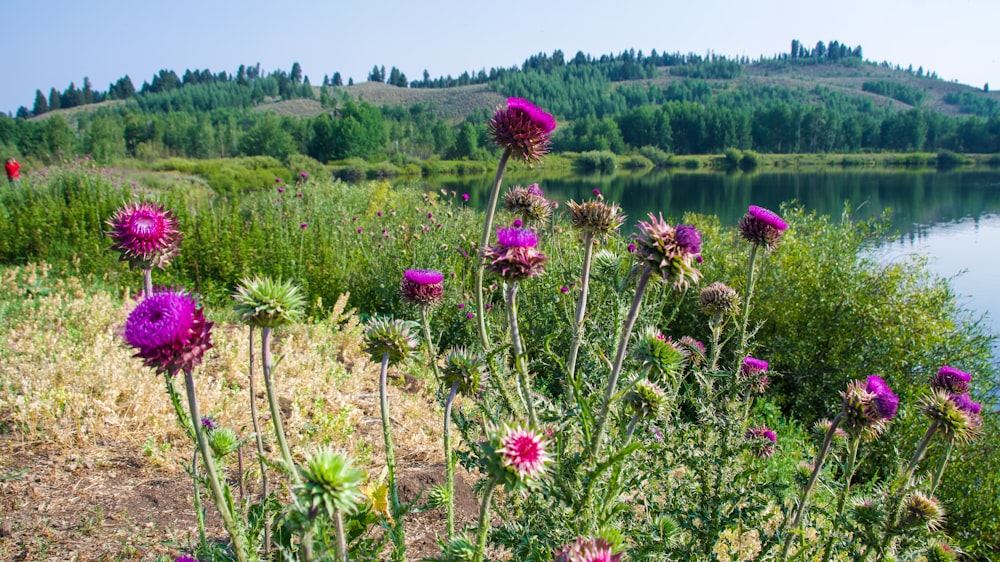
<point x="88" y="432"/>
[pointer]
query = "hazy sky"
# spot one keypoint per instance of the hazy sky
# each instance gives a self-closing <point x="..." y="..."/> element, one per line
<point x="51" y="43"/>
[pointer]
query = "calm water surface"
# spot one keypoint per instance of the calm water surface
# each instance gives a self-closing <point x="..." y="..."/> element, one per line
<point x="952" y="217"/>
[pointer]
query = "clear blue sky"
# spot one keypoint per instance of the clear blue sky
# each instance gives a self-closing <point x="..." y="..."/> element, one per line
<point x="51" y="43"/>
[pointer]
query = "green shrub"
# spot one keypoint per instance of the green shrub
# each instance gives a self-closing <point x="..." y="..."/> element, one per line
<point x="596" y="161"/>
<point x="750" y="161"/>
<point x="660" y="158"/>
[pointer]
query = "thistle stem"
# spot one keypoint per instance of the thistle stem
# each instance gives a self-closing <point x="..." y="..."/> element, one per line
<point x="484" y="521"/>
<point x="147" y="282"/>
<point x="185" y="423"/>
<point x="213" y="478"/>
<point x="742" y="350"/>
<point x="259" y="441"/>
<point x="616" y="367"/>
<point x="936" y="477"/>
<point x="338" y="523"/>
<point x="581" y="311"/>
<point x="398" y="539"/>
<point x="449" y="464"/>
<point x="842" y="500"/>
<point x="804" y="496"/>
<point x="523" y="380"/>
<point x="425" y="322"/>
<point x="484" y="240"/>
<point x="272" y="400"/>
<point x="921" y="449"/>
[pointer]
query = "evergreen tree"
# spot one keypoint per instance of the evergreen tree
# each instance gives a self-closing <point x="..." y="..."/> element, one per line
<point x="54" y="101"/>
<point x="296" y="74"/>
<point x="41" y="105"/>
<point x="337" y="80"/>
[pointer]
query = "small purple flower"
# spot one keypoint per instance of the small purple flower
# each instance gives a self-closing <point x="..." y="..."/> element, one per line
<point x="208" y="424"/>
<point x="304" y="175"/>
<point x="564" y="289"/>
<point x="461" y="305"/>
<point x="299" y="194"/>
<point x="597" y="192"/>
<point x="885" y="402"/>
<point x="762" y="441"/>
<point x="465" y="197"/>
<point x="277" y="180"/>
<point x="631" y="248"/>
<point x="533" y="189"/>
<point x="379" y="213"/>
<point x="965" y="403"/>
<point x="430" y="215"/>
<point x="688" y="238"/>
<point x="360" y="230"/>
<point x="281" y="189"/>
<point x="469" y="315"/>
<point x="753" y="366"/>
<point x="187" y="559"/>
<point x="761" y="226"/>
<point x="304" y="225"/>
<point x="518" y="223"/>
<point x="951" y="380"/>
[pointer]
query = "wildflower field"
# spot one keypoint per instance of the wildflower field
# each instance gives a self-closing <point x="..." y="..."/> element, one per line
<point x="333" y="371"/>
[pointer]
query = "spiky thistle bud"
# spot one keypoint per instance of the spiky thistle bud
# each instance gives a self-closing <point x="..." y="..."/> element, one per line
<point x="921" y="510"/>
<point x="145" y="234"/>
<point x="437" y="497"/>
<point x="223" y="442"/>
<point x="595" y="218"/>
<point x="694" y="350"/>
<point x="822" y="427"/>
<point x="528" y="203"/>
<point x="761" y="226"/>
<point x="587" y="550"/>
<point x="523" y="129"/>
<point x="390" y="335"/>
<point x="515" y="257"/>
<point x="761" y="441"/>
<point x="267" y="303"/>
<point x="169" y="331"/>
<point x="956" y="414"/>
<point x="868" y="511"/>
<point x="941" y="552"/>
<point x="330" y="483"/>
<point x="464" y="367"/>
<point x="422" y="286"/>
<point x="658" y="352"/>
<point x="670" y="252"/>
<point x="459" y="550"/>
<point x="647" y="400"/>
<point x="752" y="374"/>
<point x="719" y="298"/>
<point x="516" y="455"/>
<point x="951" y="380"/>
<point x="868" y="406"/>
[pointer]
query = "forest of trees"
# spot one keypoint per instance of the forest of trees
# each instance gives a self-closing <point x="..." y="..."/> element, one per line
<point x="602" y="103"/>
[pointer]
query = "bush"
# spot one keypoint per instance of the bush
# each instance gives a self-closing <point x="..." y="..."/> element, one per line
<point x="947" y="160"/>
<point x="596" y="161"/>
<point x="749" y="161"/>
<point x="660" y="158"/>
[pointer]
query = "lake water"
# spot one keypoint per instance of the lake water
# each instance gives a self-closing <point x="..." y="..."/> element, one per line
<point x="952" y="217"/>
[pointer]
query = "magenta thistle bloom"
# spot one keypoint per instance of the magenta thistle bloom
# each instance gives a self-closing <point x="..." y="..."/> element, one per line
<point x="965" y="403"/>
<point x="752" y="366"/>
<point x="422" y="286"/>
<point x="304" y="175"/>
<point x="187" y="559"/>
<point x="208" y="424"/>
<point x="281" y="189"/>
<point x="688" y="238"/>
<point x="465" y="197"/>
<point x="523" y="129"/>
<point x="761" y="226"/>
<point x="169" y="330"/>
<point x="658" y="247"/>
<point x="885" y="401"/>
<point x="515" y="257"/>
<point x="277" y="180"/>
<point x="523" y="451"/>
<point x="145" y="234"/>
<point x="587" y="550"/>
<point x="951" y="380"/>
<point x="304" y="225"/>
<point x="762" y="441"/>
<point x="564" y="289"/>
<point x="533" y="189"/>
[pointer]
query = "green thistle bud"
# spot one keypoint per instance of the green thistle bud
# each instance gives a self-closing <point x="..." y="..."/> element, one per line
<point x="330" y="483"/>
<point x="392" y="336"/>
<point x="658" y="352"/>
<point x="921" y="510"/>
<point x="266" y="303"/>
<point x="647" y="400"/>
<point x="868" y="512"/>
<point x="223" y="442"/>
<point x="459" y="550"/>
<point x="941" y="552"/>
<point x="595" y="217"/>
<point x="437" y="497"/>
<point x="955" y="422"/>
<point x="465" y="368"/>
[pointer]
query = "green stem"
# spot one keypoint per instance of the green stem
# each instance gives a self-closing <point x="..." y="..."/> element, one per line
<point x="936" y="478"/>
<point x="484" y="240"/>
<point x="272" y="400"/>
<point x="185" y="423"/>
<point x="398" y="538"/>
<point x="742" y="350"/>
<point x="484" y="521"/>
<point x="449" y="464"/>
<point x="848" y="474"/>
<point x="715" y="324"/>
<point x="921" y="449"/>
<point x="523" y="380"/>
<point x="609" y="391"/>
<point x="581" y="311"/>
<point x="147" y="282"/>
<point x="259" y="441"/>
<point x="338" y="523"/>
<point x="213" y="478"/>
<point x="425" y="321"/>
<point x="804" y="496"/>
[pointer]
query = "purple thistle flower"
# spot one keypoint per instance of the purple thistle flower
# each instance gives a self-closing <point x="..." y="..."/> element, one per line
<point x="208" y="424"/>
<point x="516" y="238"/>
<point x="304" y="175"/>
<point x="304" y="225"/>
<point x="277" y="180"/>
<point x="169" y="330"/>
<point x="465" y="197"/>
<point x="631" y="248"/>
<point x="885" y="401"/>
<point x="523" y="129"/>
<point x="461" y="305"/>
<point x="762" y="441"/>
<point x="951" y="380"/>
<point x="587" y="550"/>
<point x="422" y="286"/>
<point x="187" y="559"/>
<point x="533" y="189"/>
<point x="658" y="248"/>
<point x="281" y="189"/>
<point x="299" y="194"/>
<point x="469" y="315"/>
<point x="518" y="223"/>
<point x="145" y="234"/>
<point x="753" y="366"/>
<point x="379" y="213"/>
<point x="597" y="192"/>
<point x="761" y="226"/>
<point x="564" y="289"/>
<point x="524" y="451"/>
<point x="360" y="230"/>
<point x="965" y="403"/>
<point x="688" y="238"/>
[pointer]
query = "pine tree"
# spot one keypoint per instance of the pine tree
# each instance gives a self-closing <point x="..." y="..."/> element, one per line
<point x="337" y="80"/>
<point x="296" y="74"/>
<point x="41" y="105"/>
<point x="54" y="99"/>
